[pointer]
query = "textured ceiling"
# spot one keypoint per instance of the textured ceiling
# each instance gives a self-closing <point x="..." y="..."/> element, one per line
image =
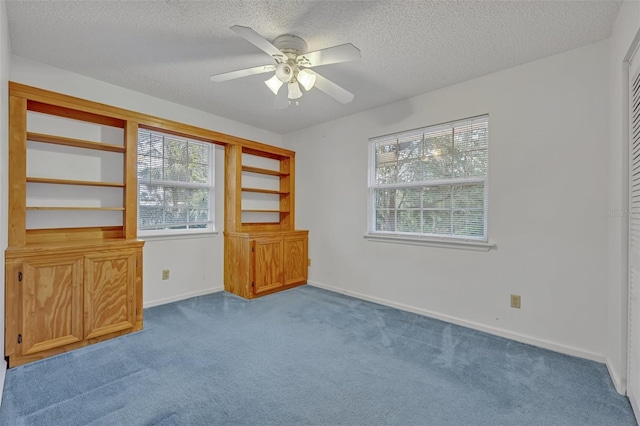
<point x="168" y="49"/>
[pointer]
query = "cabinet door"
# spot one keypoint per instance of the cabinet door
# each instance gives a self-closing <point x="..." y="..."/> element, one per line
<point x="295" y="259"/>
<point x="51" y="294"/>
<point x="267" y="263"/>
<point x="110" y="280"/>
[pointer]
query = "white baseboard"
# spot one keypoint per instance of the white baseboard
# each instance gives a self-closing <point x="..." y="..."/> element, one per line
<point x="564" y="349"/>
<point x="158" y="302"/>
<point x="3" y="375"/>
<point x="618" y="382"/>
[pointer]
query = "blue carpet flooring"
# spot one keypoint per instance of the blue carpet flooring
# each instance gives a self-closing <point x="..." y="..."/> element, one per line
<point x="308" y="357"/>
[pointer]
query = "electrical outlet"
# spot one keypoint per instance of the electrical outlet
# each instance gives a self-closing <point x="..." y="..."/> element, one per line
<point x="309" y="262"/>
<point x="515" y="301"/>
<point x="165" y="274"/>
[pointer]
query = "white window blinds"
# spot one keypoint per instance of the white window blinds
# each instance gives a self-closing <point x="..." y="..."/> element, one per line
<point x="175" y="183"/>
<point x="431" y="181"/>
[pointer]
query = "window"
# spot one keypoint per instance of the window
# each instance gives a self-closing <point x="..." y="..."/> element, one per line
<point x="175" y="183"/>
<point x="431" y="182"/>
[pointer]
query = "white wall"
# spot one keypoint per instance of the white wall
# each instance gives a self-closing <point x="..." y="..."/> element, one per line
<point x="626" y="27"/>
<point x="5" y="56"/>
<point x="195" y="262"/>
<point x="547" y="197"/>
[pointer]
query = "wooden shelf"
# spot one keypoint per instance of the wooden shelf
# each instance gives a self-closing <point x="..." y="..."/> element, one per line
<point x="265" y="191"/>
<point x="74" y="182"/>
<point x="76" y="208"/>
<point x="78" y="143"/>
<point x="263" y="211"/>
<point x="264" y="171"/>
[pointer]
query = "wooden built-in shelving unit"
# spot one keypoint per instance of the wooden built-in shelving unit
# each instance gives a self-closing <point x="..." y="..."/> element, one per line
<point x="68" y="286"/>
<point x="72" y="285"/>
<point x="262" y="255"/>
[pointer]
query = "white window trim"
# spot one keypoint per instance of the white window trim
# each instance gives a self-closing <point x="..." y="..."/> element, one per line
<point x="481" y="244"/>
<point x="168" y="234"/>
<point x="175" y="234"/>
<point x="418" y="240"/>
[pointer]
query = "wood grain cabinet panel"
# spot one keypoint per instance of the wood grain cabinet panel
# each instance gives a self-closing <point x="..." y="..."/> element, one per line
<point x="109" y="293"/>
<point x="268" y="263"/>
<point x="295" y="259"/>
<point x="51" y="290"/>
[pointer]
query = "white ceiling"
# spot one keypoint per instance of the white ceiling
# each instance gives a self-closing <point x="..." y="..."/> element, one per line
<point x="168" y="49"/>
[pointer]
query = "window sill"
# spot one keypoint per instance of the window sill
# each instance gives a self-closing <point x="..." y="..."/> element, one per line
<point x="432" y="242"/>
<point x="161" y="236"/>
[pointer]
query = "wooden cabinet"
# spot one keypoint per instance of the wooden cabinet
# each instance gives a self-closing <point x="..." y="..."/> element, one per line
<point x="264" y="262"/>
<point x="62" y="298"/>
<point x="264" y="253"/>
<point x="109" y="296"/>
<point x="296" y="260"/>
<point x="49" y="289"/>
<point x="267" y="263"/>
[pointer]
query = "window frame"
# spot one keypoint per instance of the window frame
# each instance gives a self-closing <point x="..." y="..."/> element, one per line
<point x="446" y="240"/>
<point x="210" y="229"/>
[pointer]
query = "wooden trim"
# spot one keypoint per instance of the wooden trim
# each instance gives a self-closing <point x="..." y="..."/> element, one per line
<point x="73" y="114"/>
<point x="287" y="185"/>
<point x="260" y="153"/>
<point x="17" y="171"/>
<point x="78" y="143"/>
<point x="232" y="183"/>
<point x="262" y="211"/>
<point x="130" y="201"/>
<point x="138" y="305"/>
<point x="65" y="247"/>
<point x="260" y="226"/>
<point x="12" y="306"/>
<point x="53" y="235"/>
<point x="263" y="171"/>
<point x="146" y="121"/>
<point x="264" y="191"/>
<point x="31" y="179"/>
<point x="237" y="268"/>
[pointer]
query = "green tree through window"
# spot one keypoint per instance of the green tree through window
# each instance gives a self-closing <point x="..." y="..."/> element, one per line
<point x="175" y="183"/>
<point x="431" y="181"/>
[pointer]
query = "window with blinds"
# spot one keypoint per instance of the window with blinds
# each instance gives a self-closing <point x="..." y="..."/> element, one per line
<point x="431" y="182"/>
<point x="175" y="183"/>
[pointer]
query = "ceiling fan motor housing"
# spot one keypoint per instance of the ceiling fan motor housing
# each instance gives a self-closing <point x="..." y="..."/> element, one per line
<point x="288" y="43"/>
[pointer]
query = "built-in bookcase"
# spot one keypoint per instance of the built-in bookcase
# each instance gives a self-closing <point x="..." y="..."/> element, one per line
<point x="264" y="253"/>
<point x="73" y="265"/>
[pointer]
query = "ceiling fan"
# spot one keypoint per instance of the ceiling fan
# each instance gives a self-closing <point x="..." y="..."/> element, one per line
<point x="292" y="66"/>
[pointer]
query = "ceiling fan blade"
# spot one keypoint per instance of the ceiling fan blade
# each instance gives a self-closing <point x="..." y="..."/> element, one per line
<point x="242" y="73"/>
<point x="331" y="55"/>
<point x="332" y="89"/>
<point x="260" y="42"/>
<point x="282" y="100"/>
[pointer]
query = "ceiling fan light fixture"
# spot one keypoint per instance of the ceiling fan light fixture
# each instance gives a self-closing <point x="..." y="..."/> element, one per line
<point x="284" y="72"/>
<point x="294" y="90"/>
<point x="307" y="79"/>
<point x="274" y="84"/>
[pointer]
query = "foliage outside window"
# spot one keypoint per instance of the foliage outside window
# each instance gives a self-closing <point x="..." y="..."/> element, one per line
<point x="431" y="182"/>
<point x="175" y="183"/>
